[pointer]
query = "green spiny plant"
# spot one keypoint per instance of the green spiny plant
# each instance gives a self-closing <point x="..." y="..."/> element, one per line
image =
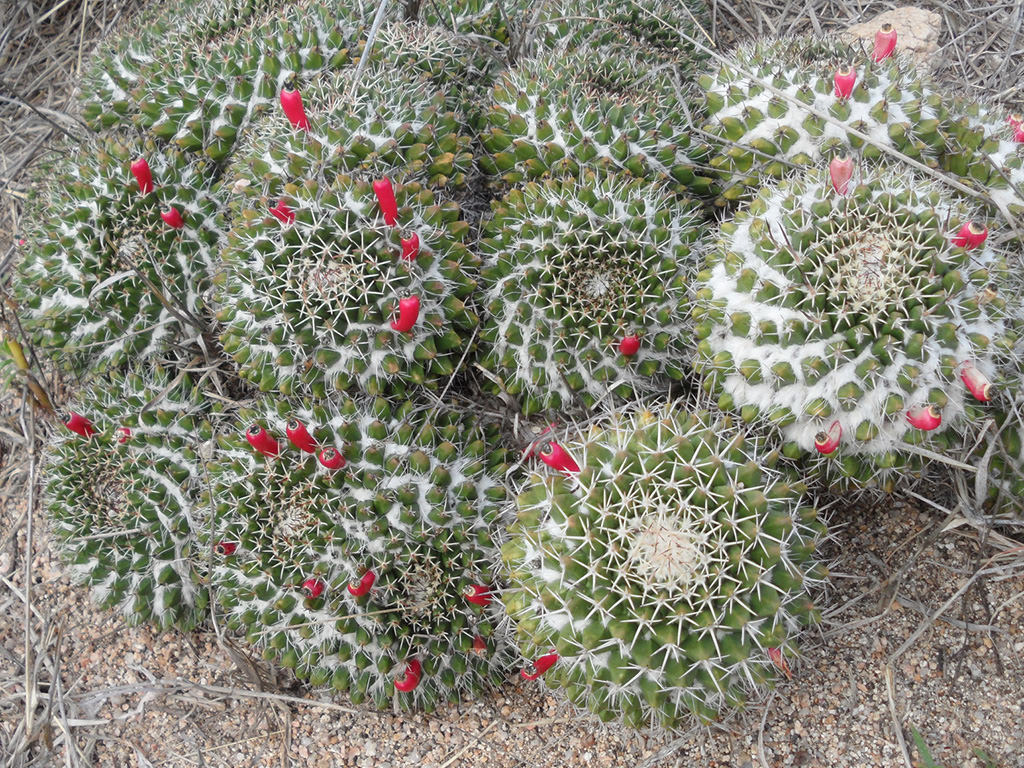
<point x="759" y="135"/>
<point x="663" y="569"/>
<point x="541" y="124"/>
<point x="203" y="102"/>
<point x="122" y="486"/>
<point x="123" y="246"/>
<point x="353" y="283"/>
<point x="586" y="289"/>
<point x="847" y="313"/>
<point x="355" y="547"/>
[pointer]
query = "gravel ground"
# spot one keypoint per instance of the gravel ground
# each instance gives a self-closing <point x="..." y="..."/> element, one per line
<point x="134" y="696"/>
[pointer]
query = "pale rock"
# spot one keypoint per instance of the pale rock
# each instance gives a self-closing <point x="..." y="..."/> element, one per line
<point x="917" y="32"/>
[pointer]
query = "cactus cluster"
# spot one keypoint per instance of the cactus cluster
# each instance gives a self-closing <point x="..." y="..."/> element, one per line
<point x="356" y="548"/>
<point x="510" y="208"/>
<point x="666" y="569"/>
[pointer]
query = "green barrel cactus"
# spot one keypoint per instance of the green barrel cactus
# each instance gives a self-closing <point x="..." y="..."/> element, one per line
<point x="585" y="289"/>
<point x="543" y="122"/>
<point x="119" y="259"/>
<point x="123" y="481"/>
<point x="355" y="547"/>
<point x="664" y="570"/>
<point x="759" y="135"/>
<point x="859" y="324"/>
<point x="355" y="282"/>
<point x="157" y="82"/>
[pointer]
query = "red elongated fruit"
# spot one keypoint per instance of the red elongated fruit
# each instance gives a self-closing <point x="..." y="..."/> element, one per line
<point x="844" y="79"/>
<point x="261" y="440"/>
<point x="840" y="170"/>
<point x="828" y="440"/>
<point x="408" y="312"/>
<point x="970" y="236"/>
<point x="331" y="458"/>
<point x="299" y="436"/>
<point x="1015" y="119"/>
<point x="535" y="669"/>
<point x="142" y="174"/>
<point x="411" y="247"/>
<point x="225" y="548"/>
<point x="976" y="381"/>
<point x="77" y="423"/>
<point x="532" y="447"/>
<point x="410" y="678"/>
<point x="478" y="594"/>
<point x="927" y="417"/>
<point x="363" y="586"/>
<point x="555" y="457"/>
<point x="1018" y="134"/>
<point x="630" y="345"/>
<point x="123" y="434"/>
<point x="775" y="654"/>
<point x="172" y="218"/>
<point x="291" y="103"/>
<point x="479" y="645"/>
<point x="313" y="587"/>
<point x="885" y="43"/>
<point x="283" y="213"/>
<point x="386" y="199"/>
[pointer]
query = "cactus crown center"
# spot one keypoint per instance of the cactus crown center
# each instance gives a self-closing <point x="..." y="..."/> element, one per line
<point x="867" y="273"/>
<point x="666" y="551"/>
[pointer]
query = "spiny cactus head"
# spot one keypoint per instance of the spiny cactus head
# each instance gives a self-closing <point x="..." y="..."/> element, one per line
<point x="585" y="281"/>
<point x="665" y="572"/>
<point x="123" y="483"/>
<point x="112" y="273"/>
<point x="364" y="287"/>
<point x="853" y="318"/>
<point x="542" y="122"/>
<point x="358" y="574"/>
<point x="758" y="134"/>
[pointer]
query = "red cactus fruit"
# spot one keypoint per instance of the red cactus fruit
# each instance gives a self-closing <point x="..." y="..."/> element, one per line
<point x="299" y="436"/>
<point x="261" y="440"/>
<point x="478" y="594"/>
<point x="331" y="458"/>
<point x="386" y="199"/>
<point x="535" y="669"/>
<point x="926" y="418"/>
<point x="408" y="312"/>
<point x="827" y="441"/>
<point x="172" y="218"/>
<point x="291" y="103"/>
<point x="555" y="457"/>
<point x="885" y="43"/>
<point x="140" y="170"/>
<point x="363" y="586"/>
<point x="844" y="80"/>
<point x="410" y="678"/>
